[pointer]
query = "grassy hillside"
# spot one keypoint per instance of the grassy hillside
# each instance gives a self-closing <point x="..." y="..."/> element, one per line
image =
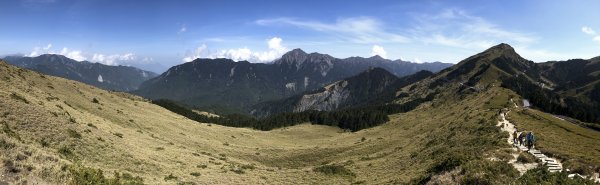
<point x="57" y="131"/>
<point x="578" y="147"/>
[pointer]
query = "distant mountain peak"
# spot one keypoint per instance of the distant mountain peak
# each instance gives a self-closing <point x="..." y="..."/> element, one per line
<point x="503" y="47"/>
<point x="504" y="50"/>
<point x="377" y="57"/>
<point x="296" y="51"/>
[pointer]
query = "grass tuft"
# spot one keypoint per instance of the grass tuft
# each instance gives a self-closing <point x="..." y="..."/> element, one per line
<point x="334" y="170"/>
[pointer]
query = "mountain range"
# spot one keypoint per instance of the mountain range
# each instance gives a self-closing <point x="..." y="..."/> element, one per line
<point x="567" y="88"/>
<point x="241" y="85"/>
<point x="60" y="131"/>
<point x="118" y="78"/>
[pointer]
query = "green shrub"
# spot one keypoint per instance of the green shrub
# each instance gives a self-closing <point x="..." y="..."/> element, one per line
<point x="95" y="100"/>
<point x="247" y="167"/>
<point x="15" y="96"/>
<point x="118" y="135"/>
<point x="8" y="131"/>
<point x="195" y="174"/>
<point x="238" y="170"/>
<point x="65" y="151"/>
<point x="334" y="170"/>
<point x="85" y="176"/>
<point x="541" y="175"/>
<point x="6" y="145"/>
<point x="170" y="177"/>
<point x="488" y="172"/>
<point x="449" y="163"/>
<point x="91" y="125"/>
<point x="202" y="166"/>
<point x="525" y="157"/>
<point x="74" y="134"/>
<point x="44" y="143"/>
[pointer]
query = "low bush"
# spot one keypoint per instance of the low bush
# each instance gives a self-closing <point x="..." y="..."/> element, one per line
<point x="74" y="134"/>
<point x="170" y="177"/>
<point x="525" y="157"/>
<point x="85" y="175"/>
<point x="15" y="96"/>
<point x="542" y="176"/>
<point x="118" y="135"/>
<point x="6" y="145"/>
<point x="334" y="170"/>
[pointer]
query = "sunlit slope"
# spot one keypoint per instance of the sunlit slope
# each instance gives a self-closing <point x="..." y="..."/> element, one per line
<point x="52" y="128"/>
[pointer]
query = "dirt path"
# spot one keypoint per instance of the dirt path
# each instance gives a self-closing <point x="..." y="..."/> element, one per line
<point x="505" y="125"/>
<point x="552" y="164"/>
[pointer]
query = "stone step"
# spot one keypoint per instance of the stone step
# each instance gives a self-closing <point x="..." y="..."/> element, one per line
<point x="552" y="163"/>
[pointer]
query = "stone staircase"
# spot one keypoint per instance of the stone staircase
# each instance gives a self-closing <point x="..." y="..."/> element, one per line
<point x="552" y="164"/>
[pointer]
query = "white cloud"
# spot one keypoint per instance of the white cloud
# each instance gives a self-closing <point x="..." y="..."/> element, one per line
<point x="418" y="60"/>
<point x="363" y="30"/>
<point x="456" y="28"/>
<point x="78" y="55"/>
<point x="72" y="54"/>
<point x="275" y="50"/>
<point x="378" y="50"/>
<point x="48" y="47"/>
<point x="113" y="59"/>
<point x="183" y="29"/>
<point x="195" y="54"/>
<point x="588" y="30"/>
<point x="147" y="59"/>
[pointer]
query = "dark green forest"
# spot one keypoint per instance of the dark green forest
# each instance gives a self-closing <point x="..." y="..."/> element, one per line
<point x="549" y="101"/>
<point x="353" y="119"/>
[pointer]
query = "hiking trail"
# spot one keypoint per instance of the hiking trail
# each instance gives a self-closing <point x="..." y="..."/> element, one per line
<point x="551" y="163"/>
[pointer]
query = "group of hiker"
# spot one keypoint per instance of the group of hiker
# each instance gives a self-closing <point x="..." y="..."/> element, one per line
<point x="524" y="138"/>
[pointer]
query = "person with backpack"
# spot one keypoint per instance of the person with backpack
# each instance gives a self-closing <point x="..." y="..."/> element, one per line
<point x="530" y="140"/>
<point x="521" y="137"/>
<point x="515" y="139"/>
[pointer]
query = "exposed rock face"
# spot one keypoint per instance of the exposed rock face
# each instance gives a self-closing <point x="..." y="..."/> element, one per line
<point x="371" y="87"/>
<point x="241" y="85"/>
<point x="330" y="99"/>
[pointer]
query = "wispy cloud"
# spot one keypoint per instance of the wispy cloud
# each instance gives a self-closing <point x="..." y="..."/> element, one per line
<point x="197" y="53"/>
<point x="73" y="54"/>
<point x="78" y="55"/>
<point x="362" y="30"/>
<point x="457" y="28"/>
<point x="113" y="59"/>
<point x="36" y="3"/>
<point x="588" y="30"/>
<point x="183" y="29"/>
<point x="275" y="50"/>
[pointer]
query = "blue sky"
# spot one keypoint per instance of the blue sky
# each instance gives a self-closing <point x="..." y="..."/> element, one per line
<point x="151" y="33"/>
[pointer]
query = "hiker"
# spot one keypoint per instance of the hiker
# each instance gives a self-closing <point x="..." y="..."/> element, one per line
<point x="515" y="139"/>
<point x="521" y="137"/>
<point x="530" y="140"/>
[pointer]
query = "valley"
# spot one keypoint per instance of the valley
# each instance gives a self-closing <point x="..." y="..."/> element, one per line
<point x="58" y="131"/>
